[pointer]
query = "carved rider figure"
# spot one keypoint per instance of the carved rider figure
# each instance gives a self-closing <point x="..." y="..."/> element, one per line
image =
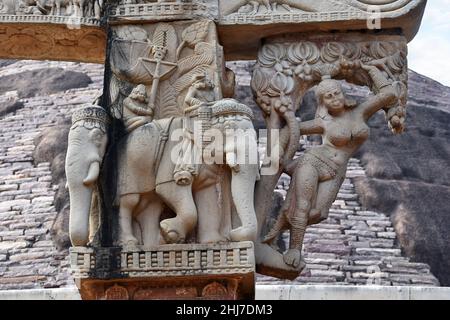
<point x="136" y="111"/>
<point x="201" y="93"/>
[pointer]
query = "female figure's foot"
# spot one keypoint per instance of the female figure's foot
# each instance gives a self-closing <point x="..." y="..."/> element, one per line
<point x="293" y="258"/>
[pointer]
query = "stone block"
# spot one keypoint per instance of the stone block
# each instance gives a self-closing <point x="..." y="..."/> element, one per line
<point x="382" y="244"/>
<point x="28" y="256"/>
<point x="8" y="187"/>
<point x="43" y="200"/>
<point x="361" y="233"/>
<point x="387" y="235"/>
<point x="379" y="223"/>
<point x="5" y="234"/>
<point x="9" y="245"/>
<point x="339" y="275"/>
<point x="378" y="251"/>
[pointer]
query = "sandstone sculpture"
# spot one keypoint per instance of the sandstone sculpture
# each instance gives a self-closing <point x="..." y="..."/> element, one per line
<point x="320" y="172"/>
<point x="87" y="145"/>
<point x="175" y="174"/>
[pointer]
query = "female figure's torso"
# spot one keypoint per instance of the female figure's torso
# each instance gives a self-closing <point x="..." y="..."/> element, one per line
<point x="342" y="136"/>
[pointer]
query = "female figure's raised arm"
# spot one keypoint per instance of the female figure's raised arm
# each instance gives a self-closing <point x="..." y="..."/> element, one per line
<point x="386" y="96"/>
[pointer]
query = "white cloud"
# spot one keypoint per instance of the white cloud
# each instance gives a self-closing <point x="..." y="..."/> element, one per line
<point x="429" y="52"/>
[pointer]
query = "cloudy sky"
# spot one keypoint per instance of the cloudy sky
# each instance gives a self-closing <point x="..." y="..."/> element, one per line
<point x="429" y="52"/>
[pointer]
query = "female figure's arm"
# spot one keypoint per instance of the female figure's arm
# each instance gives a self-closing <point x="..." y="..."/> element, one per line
<point x="386" y="95"/>
<point x="311" y="127"/>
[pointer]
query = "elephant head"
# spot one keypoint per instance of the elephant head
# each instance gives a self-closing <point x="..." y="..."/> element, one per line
<point x="87" y="145"/>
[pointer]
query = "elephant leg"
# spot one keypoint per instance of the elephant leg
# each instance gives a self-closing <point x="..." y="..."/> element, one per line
<point x="149" y="220"/>
<point x="209" y="216"/>
<point x="242" y="189"/>
<point x="127" y="204"/>
<point x="179" y="199"/>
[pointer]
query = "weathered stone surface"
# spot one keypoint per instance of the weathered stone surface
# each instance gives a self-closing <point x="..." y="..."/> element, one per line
<point x="337" y="228"/>
<point x="260" y="22"/>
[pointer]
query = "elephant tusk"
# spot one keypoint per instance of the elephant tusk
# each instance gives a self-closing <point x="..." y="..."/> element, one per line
<point x="93" y="173"/>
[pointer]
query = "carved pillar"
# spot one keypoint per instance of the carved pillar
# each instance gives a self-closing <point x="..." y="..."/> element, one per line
<point x="167" y="227"/>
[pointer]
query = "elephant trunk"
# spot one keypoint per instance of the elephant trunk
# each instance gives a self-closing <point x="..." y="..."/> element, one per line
<point x="80" y="207"/>
<point x="80" y="203"/>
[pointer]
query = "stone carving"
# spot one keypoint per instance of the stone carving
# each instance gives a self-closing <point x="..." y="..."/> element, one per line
<point x="237" y="22"/>
<point x="285" y="71"/>
<point x="191" y="271"/>
<point x="176" y="67"/>
<point x="87" y="145"/>
<point x="265" y="7"/>
<point x="183" y="217"/>
<point x="136" y="109"/>
<point x="164" y="10"/>
<point x="241" y="21"/>
<point x="160" y="186"/>
<point x="74" y="8"/>
<point x="320" y="172"/>
<point x="52" y="42"/>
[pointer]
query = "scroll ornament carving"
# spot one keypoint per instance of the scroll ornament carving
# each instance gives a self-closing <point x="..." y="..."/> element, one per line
<point x="43" y="42"/>
<point x="281" y="68"/>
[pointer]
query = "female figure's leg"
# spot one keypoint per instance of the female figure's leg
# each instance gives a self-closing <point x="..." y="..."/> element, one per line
<point x="326" y="194"/>
<point x="306" y="182"/>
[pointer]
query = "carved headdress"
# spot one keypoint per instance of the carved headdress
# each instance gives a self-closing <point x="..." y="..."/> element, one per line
<point x="322" y="88"/>
<point x="91" y="117"/>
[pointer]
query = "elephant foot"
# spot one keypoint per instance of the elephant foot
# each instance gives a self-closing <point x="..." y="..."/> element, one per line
<point x="243" y="234"/>
<point x="129" y="242"/>
<point x="171" y="231"/>
<point x="217" y="238"/>
<point x="293" y="257"/>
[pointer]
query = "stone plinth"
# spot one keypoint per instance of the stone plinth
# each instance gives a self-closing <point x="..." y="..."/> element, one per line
<point x="185" y="271"/>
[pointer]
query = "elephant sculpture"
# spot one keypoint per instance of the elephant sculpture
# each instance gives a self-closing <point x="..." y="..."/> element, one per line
<point x="86" y="149"/>
<point x="146" y="182"/>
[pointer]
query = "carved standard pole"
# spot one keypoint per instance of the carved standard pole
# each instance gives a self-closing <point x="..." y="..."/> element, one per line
<point x="161" y="208"/>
